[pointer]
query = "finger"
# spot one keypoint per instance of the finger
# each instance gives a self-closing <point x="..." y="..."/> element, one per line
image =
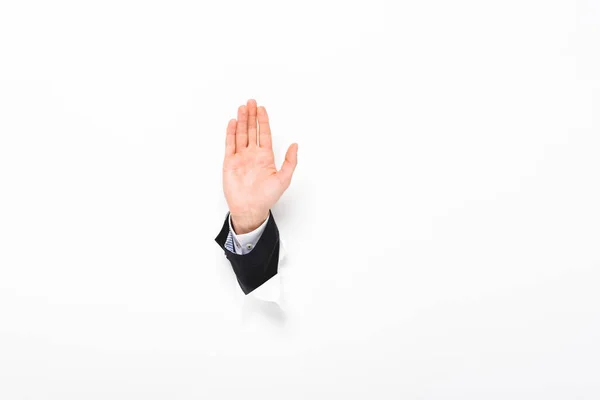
<point x="230" y="140"/>
<point x="264" y="128"/>
<point x="289" y="165"/>
<point x="252" y="141"/>
<point x="241" y="133"/>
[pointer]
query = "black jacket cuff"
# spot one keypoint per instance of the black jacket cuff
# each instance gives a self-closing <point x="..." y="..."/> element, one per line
<point x="254" y="268"/>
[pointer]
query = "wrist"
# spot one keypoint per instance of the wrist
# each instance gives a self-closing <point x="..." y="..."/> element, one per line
<point x="242" y="224"/>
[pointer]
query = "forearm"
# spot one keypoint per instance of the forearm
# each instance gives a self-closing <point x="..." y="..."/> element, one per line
<point x="248" y="222"/>
<point x="252" y="185"/>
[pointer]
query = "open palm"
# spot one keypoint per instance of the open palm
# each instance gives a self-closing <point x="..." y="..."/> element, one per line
<point x="251" y="182"/>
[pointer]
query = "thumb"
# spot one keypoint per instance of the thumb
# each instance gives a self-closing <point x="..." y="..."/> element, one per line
<point x="289" y="165"/>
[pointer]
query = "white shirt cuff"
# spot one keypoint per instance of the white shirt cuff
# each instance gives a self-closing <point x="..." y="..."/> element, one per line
<point x="244" y="243"/>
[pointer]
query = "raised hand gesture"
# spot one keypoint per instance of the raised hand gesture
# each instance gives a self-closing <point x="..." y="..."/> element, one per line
<point x="251" y="182"/>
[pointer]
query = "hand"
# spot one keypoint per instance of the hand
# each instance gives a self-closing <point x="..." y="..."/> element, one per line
<point x="251" y="183"/>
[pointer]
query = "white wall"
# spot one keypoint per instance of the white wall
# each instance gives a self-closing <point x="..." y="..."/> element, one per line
<point x="442" y="228"/>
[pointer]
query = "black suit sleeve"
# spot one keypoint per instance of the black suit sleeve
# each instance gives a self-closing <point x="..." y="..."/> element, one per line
<point x="258" y="266"/>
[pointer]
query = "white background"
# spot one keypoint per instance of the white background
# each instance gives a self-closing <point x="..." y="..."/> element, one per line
<point x="442" y="227"/>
